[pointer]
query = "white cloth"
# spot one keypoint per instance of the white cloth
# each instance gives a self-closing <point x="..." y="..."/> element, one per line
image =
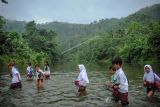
<point x="14" y="72"/>
<point x="38" y="73"/>
<point x="150" y="76"/>
<point x="121" y="79"/>
<point x="82" y="77"/>
<point x="47" y="72"/>
<point x="28" y="70"/>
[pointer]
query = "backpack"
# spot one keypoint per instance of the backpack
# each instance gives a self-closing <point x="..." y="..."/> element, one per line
<point x="157" y="83"/>
<point x="40" y="74"/>
<point x="31" y="70"/>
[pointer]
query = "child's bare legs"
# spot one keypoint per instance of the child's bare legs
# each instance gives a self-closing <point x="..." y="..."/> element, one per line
<point x="41" y="83"/>
<point x="150" y="93"/>
<point x="37" y="83"/>
<point x="27" y="78"/>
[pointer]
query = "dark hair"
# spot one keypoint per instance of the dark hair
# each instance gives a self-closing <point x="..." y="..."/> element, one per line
<point x="11" y="64"/>
<point x="117" y="60"/>
<point x="112" y="68"/>
<point x="29" y="64"/>
<point x="47" y="63"/>
<point x="36" y="65"/>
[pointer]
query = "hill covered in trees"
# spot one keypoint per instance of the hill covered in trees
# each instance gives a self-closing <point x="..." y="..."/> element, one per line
<point x="136" y="38"/>
<point x="33" y="45"/>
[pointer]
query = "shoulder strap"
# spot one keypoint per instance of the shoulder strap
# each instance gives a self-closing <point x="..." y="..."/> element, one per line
<point x="154" y="76"/>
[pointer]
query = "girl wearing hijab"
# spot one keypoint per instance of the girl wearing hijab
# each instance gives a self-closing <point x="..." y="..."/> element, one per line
<point x="82" y="80"/>
<point x="46" y="70"/>
<point x="149" y="79"/>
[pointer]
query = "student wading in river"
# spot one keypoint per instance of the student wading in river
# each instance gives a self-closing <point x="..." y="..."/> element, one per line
<point x="121" y="83"/>
<point x="16" y="78"/>
<point x="82" y="80"/>
<point x="46" y="70"/>
<point x="29" y="71"/>
<point x="150" y="80"/>
<point x="39" y="76"/>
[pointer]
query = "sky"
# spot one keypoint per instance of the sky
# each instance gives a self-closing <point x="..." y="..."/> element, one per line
<point x="72" y="11"/>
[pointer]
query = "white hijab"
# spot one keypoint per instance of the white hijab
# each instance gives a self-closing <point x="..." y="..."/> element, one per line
<point x="149" y="77"/>
<point x="83" y="74"/>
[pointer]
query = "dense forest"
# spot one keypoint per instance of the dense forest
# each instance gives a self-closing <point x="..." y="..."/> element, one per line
<point x="135" y="38"/>
<point x="33" y="45"/>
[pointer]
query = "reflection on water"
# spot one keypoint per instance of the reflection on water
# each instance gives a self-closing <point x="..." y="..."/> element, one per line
<point x="60" y="91"/>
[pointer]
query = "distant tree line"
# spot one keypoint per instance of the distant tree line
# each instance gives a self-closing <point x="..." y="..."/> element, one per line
<point x="34" y="45"/>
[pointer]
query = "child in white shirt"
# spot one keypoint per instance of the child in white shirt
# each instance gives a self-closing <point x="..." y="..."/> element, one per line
<point x="29" y="71"/>
<point x="121" y="82"/>
<point x="46" y="70"/>
<point x="82" y="80"/>
<point x="16" y="78"/>
<point x="39" y="76"/>
<point x="150" y="79"/>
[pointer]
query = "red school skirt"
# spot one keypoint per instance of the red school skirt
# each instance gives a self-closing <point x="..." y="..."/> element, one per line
<point x="123" y="97"/>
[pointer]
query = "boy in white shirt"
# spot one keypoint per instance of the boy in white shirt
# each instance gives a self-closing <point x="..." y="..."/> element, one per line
<point x="16" y="78"/>
<point x="121" y="82"/>
<point x="29" y="71"/>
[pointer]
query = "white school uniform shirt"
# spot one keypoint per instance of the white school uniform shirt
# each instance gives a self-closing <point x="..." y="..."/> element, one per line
<point x="47" y="71"/>
<point x="150" y="76"/>
<point x="82" y="77"/>
<point x="121" y="79"/>
<point x="28" y="69"/>
<point x="14" y="72"/>
<point x="37" y="73"/>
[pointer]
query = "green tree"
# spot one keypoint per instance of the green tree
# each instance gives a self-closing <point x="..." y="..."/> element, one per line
<point x="42" y="40"/>
<point x="154" y="40"/>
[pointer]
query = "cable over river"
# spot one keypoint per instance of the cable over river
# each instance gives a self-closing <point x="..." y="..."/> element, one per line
<point x="60" y="91"/>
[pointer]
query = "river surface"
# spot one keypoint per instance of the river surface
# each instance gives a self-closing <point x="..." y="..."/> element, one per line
<point x="60" y="91"/>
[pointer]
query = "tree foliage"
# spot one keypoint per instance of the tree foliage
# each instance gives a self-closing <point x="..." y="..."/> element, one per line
<point x="136" y="38"/>
<point x="35" y="45"/>
<point x="42" y="40"/>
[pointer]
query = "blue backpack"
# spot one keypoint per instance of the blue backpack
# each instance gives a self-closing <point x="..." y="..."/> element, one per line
<point x="31" y="70"/>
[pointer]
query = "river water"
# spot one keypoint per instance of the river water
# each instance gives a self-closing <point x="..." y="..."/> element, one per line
<point x="60" y="91"/>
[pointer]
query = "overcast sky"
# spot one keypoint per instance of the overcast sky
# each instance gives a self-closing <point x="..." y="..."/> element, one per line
<point x="73" y="11"/>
